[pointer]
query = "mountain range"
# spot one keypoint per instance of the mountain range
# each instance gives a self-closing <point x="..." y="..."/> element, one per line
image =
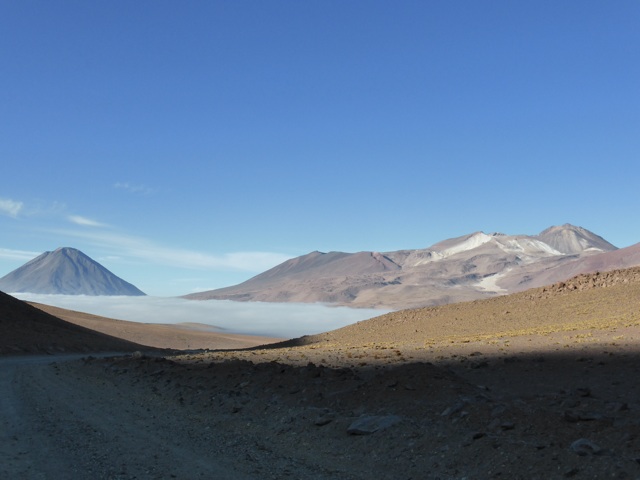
<point x="469" y="267"/>
<point x="66" y="271"/>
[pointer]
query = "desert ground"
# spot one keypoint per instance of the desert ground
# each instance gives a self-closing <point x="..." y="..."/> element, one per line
<point x="539" y="384"/>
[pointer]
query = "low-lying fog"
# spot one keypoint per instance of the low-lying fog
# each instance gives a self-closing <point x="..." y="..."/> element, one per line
<point x="286" y="320"/>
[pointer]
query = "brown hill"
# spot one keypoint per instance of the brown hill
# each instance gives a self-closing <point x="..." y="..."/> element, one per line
<point x="26" y="329"/>
<point x="174" y="336"/>
<point x="37" y="328"/>
<point x="600" y="301"/>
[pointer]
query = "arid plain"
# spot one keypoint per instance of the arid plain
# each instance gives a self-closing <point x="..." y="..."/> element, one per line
<point x="538" y="384"/>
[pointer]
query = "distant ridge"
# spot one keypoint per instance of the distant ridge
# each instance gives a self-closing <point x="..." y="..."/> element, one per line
<point x="469" y="267"/>
<point x="66" y="271"/>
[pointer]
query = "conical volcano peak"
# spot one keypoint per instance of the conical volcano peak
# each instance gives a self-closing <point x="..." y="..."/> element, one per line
<point x="570" y="239"/>
<point x="66" y="271"/>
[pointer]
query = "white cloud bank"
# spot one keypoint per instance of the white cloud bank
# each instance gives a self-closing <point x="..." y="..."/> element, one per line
<point x="285" y="320"/>
<point x="10" y="207"/>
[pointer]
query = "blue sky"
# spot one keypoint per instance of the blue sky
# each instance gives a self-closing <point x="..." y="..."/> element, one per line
<point x="191" y="145"/>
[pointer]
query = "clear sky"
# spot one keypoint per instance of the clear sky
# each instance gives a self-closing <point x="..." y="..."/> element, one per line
<point x="190" y="145"/>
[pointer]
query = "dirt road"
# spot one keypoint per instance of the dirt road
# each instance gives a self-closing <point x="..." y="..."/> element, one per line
<point x="56" y="426"/>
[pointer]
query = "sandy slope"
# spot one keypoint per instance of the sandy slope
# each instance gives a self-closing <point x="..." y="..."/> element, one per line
<point x="182" y="337"/>
<point x="25" y="329"/>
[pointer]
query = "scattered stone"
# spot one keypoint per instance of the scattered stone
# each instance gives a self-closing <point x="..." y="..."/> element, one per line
<point x="478" y="435"/>
<point x="584" y="447"/>
<point x="618" y="406"/>
<point x="366" y="425"/>
<point x="498" y="410"/>
<point x="583" y="391"/>
<point x="480" y="364"/>
<point x="453" y="409"/>
<point x="324" y="417"/>
<point x="511" y="360"/>
<point x="323" y="420"/>
<point x="572" y="416"/>
<point x="570" y="403"/>
<point x="571" y="473"/>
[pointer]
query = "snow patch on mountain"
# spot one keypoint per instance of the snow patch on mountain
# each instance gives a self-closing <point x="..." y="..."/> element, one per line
<point x="489" y="283"/>
<point x="474" y="241"/>
<point x="526" y="246"/>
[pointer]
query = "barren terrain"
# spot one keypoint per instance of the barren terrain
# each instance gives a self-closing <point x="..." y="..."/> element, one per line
<point x="184" y="336"/>
<point x="470" y="267"/>
<point x="540" y="384"/>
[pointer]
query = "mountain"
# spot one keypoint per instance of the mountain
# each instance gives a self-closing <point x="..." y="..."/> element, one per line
<point x="569" y="239"/>
<point x="469" y="267"/>
<point x="66" y="271"/>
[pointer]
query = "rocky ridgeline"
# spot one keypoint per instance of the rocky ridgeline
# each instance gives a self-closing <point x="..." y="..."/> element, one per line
<point x="587" y="281"/>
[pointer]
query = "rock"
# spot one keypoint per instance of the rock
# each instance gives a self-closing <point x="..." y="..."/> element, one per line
<point x="618" y="406"/>
<point x="583" y="391"/>
<point x="479" y="365"/>
<point x="573" y="416"/>
<point x="323" y="420"/>
<point x="453" y="409"/>
<point x="323" y="417"/>
<point x="584" y="447"/>
<point x="498" y="410"/>
<point x="366" y="425"/>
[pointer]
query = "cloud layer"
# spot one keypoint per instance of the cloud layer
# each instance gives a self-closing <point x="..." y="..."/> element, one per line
<point x="286" y="320"/>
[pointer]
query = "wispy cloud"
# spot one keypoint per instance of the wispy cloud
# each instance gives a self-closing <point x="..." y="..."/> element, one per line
<point x="10" y="207"/>
<point x="146" y="250"/>
<point x="22" y="255"/>
<point x="85" y="222"/>
<point x="137" y="189"/>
